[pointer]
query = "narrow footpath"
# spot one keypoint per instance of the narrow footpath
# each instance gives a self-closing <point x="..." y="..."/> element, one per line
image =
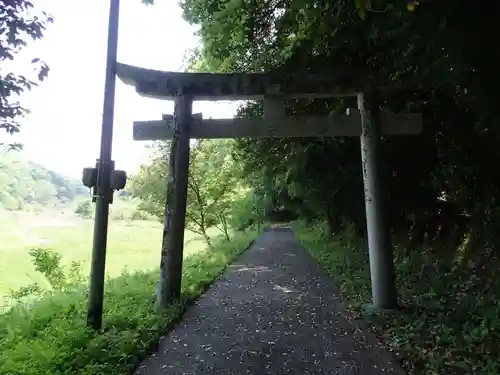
<point x="274" y="311"/>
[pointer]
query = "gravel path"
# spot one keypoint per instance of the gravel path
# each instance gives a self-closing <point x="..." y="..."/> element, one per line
<point x="273" y="312"/>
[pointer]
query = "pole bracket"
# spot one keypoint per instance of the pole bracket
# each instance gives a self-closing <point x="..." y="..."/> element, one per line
<point x="103" y="179"/>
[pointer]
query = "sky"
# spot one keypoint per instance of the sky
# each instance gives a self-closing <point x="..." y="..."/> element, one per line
<point x="62" y="132"/>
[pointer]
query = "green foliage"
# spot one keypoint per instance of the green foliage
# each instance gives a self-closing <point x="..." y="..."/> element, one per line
<point x="213" y="180"/>
<point x="132" y="245"/>
<point x="128" y="208"/>
<point x="149" y="184"/>
<point x="24" y="185"/>
<point x="442" y="185"/>
<point x="59" y="279"/>
<point x="52" y="338"/>
<point x="444" y="68"/>
<point x="137" y="214"/>
<point x="84" y="209"/>
<point x="48" y="263"/>
<point x="450" y="323"/>
<point x="447" y="75"/>
<point x="30" y="290"/>
<point x="243" y="210"/>
<point x="123" y="208"/>
<point x="20" y="23"/>
<point x="212" y="184"/>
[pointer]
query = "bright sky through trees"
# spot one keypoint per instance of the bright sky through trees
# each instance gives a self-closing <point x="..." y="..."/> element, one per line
<point x="63" y="130"/>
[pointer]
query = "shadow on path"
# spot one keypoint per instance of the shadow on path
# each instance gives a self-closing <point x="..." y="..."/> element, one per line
<point x="274" y="311"/>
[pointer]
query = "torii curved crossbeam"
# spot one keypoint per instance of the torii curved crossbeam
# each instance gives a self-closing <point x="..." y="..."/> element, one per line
<point x="237" y="86"/>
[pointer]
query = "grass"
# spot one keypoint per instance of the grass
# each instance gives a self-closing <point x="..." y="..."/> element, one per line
<point x="52" y="337"/>
<point x="450" y="323"/>
<point x="132" y="245"/>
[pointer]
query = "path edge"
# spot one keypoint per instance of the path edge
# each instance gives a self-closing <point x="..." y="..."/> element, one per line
<point x="358" y="323"/>
<point x="185" y="304"/>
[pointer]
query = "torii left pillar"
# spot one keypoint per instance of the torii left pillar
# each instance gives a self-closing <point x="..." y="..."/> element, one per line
<point x="169" y="285"/>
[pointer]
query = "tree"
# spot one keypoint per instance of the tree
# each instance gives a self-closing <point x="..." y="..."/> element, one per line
<point x="213" y="179"/>
<point x="439" y="55"/>
<point x="150" y="183"/>
<point x="84" y="209"/>
<point x="19" y="25"/>
<point x="211" y="185"/>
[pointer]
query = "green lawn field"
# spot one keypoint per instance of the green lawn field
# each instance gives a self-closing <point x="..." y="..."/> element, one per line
<point x="132" y="245"/>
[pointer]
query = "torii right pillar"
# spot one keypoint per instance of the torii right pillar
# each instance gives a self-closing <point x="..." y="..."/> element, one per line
<point x="384" y="291"/>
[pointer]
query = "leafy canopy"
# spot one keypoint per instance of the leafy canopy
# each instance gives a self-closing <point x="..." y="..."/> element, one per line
<point x="212" y="182"/>
<point x="20" y="23"/>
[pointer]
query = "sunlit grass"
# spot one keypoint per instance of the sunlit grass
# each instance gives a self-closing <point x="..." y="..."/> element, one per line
<point x="132" y="245"/>
<point x="51" y="337"/>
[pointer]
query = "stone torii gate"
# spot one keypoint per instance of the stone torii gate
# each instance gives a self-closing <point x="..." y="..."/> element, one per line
<point x="367" y="122"/>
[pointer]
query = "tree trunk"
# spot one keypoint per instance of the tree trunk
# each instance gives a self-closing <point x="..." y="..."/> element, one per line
<point x="207" y="239"/>
<point x="203" y="231"/>
<point x="331" y="221"/>
<point x="224" y="227"/>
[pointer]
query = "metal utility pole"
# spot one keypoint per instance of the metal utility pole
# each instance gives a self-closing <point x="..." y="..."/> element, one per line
<point x="101" y="178"/>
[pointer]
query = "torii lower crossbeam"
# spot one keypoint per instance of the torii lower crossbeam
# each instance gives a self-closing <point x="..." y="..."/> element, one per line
<point x="303" y="126"/>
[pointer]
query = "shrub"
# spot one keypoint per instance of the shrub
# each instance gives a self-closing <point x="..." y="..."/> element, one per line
<point x="48" y="263"/>
<point x="244" y="211"/>
<point x="84" y="209"/>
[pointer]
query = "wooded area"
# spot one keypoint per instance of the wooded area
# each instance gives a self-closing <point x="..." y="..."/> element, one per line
<point x="442" y="185"/>
<point x="438" y="181"/>
<point x="26" y="185"/>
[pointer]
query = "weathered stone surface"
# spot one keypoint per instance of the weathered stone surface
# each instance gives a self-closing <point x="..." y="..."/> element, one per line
<point x="303" y="126"/>
<point x="169" y="285"/>
<point x="239" y="86"/>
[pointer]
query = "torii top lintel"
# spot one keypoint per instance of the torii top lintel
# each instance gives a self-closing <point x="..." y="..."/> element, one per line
<point x="235" y="86"/>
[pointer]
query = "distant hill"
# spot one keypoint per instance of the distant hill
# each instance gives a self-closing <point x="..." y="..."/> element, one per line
<point x="24" y="184"/>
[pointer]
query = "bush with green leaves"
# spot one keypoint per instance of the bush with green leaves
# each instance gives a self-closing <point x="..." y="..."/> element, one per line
<point x="123" y="208"/>
<point x="245" y="210"/>
<point x="58" y="279"/>
<point x="84" y="209"/>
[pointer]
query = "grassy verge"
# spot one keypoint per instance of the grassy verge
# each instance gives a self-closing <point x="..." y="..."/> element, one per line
<point x="451" y="321"/>
<point x="52" y="338"/>
<point x="132" y="245"/>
